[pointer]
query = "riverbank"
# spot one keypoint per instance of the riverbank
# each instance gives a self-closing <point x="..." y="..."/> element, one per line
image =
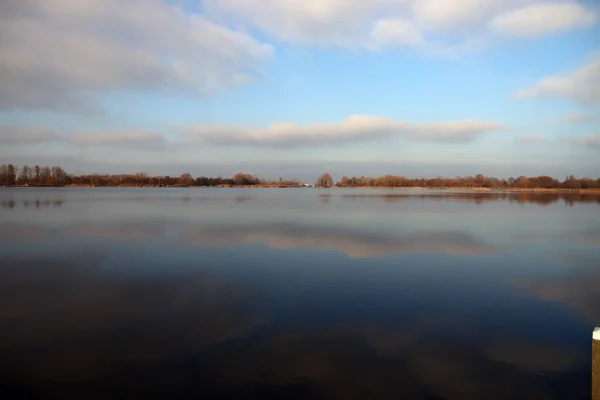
<point x="460" y="188"/>
<point x="483" y="189"/>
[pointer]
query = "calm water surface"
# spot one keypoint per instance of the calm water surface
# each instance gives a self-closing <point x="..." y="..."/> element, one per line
<point x="296" y="294"/>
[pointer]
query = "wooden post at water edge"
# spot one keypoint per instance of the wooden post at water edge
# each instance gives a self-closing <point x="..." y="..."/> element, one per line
<point x="596" y="364"/>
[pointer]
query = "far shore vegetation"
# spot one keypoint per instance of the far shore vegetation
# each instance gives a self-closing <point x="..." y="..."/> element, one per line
<point x="11" y="175"/>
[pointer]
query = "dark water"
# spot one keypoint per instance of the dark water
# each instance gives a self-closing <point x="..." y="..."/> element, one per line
<point x="296" y="294"/>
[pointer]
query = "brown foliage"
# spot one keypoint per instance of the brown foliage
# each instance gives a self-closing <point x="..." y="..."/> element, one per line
<point x="56" y="176"/>
<point x="325" y="180"/>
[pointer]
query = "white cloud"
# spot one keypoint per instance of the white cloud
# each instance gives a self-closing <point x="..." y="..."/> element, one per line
<point x="131" y="140"/>
<point x="64" y="54"/>
<point x="581" y="86"/>
<point x="61" y="54"/>
<point x="17" y="135"/>
<point x="436" y="26"/>
<point x="354" y="128"/>
<point x="342" y="23"/>
<point x="543" y="19"/>
<point x="447" y="15"/>
<point x="395" y="32"/>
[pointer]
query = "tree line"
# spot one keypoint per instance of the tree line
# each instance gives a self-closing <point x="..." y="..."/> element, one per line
<point x="11" y="175"/>
<point x="38" y="176"/>
<point x="477" y="181"/>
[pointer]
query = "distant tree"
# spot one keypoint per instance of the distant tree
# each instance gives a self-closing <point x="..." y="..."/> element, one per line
<point x="239" y="179"/>
<point x="185" y="180"/>
<point x="479" y="180"/>
<point x="24" y="175"/>
<point x="11" y="175"/>
<point x="141" y="178"/>
<point x="546" y="182"/>
<point x="345" y="181"/>
<point x="246" y="179"/>
<point x="572" y="183"/>
<point x="45" y="175"/>
<point x="36" y="174"/>
<point x="58" y="176"/>
<point x="3" y="174"/>
<point x="524" y="182"/>
<point x="325" y="180"/>
<point x="389" y="181"/>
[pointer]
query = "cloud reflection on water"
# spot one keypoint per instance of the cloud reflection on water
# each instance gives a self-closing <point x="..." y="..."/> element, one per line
<point x="579" y="289"/>
<point x="60" y="312"/>
<point x="65" y="320"/>
<point x="354" y="244"/>
<point x="86" y="309"/>
<point x="345" y="366"/>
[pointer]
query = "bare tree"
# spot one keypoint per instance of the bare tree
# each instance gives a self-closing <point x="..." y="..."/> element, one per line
<point x="141" y="178"/>
<point x="240" y="179"/>
<point x="185" y="180"/>
<point x="44" y="175"/>
<point x="3" y="174"/>
<point x="325" y="180"/>
<point x="36" y="174"/>
<point x="11" y="174"/>
<point x="24" y="175"/>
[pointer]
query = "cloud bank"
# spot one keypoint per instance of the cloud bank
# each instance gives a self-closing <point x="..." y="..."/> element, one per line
<point x="581" y="86"/>
<point x="60" y="55"/>
<point x="128" y="140"/>
<point x="374" y="24"/>
<point x="355" y="128"/>
<point x="64" y="55"/>
<point x="19" y="135"/>
<point x="543" y="19"/>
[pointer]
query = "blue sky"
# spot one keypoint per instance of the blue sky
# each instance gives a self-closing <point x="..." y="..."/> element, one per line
<point x="295" y="88"/>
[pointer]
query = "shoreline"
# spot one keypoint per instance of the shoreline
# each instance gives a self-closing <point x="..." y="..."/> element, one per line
<point x="484" y="189"/>
<point x="441" y="189"/>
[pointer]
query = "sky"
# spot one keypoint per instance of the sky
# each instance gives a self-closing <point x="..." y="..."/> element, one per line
<point x="295" y="88"/>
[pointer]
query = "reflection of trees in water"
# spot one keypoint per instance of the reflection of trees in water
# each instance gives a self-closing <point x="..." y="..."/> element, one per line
<point x="480" y="198"/>
<point x="10" y="204"/>
<point x="325" y="197"/>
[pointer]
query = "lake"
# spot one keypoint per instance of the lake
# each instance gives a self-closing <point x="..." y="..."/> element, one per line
<point x="297" y="293"/>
